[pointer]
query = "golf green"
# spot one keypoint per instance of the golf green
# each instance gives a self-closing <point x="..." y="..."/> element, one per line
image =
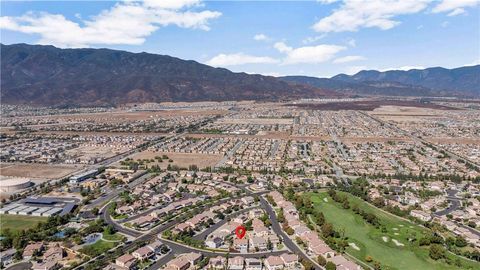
<point x="391" y="248"/>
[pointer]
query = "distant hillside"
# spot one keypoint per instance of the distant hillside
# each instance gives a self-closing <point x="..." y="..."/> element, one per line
<point x="363" y="88"/>
<point x="463" y="80"/>
<point x="46" y="75"/>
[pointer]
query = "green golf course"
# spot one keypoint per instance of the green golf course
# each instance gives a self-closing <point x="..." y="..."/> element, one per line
<point x="392" y="247"/>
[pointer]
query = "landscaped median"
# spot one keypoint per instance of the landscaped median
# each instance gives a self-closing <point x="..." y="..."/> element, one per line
<point x="375" y="237"/>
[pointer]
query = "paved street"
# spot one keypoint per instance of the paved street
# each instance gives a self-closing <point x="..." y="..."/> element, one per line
<point x="20" y="266"/>
<point x="203" y="235"/>
<point x="455" y="203"/>
<point x="286" y="240"/>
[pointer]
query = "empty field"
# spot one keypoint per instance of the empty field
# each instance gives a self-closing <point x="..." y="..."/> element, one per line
<point x="257" y="121"/>
<point x="38" y="171"/>
<point x="181" y="159"/>
<point x="369" y="105"/>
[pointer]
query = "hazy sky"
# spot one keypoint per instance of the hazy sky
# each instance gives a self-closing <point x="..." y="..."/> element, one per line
<point x="316" y="38"/>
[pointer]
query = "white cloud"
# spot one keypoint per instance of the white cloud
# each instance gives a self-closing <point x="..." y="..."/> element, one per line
<point x="125" y="23"/>
<point x="308" y="54"/>
<point x="355" y="14"/>
<point x="474" y="63"/>
<point x="354" y="69"/>
<point x="456" y="12"/>
<point x="282" y="47"/>
<point x="223" y="60"/>
<point x="171" y="4"/>
<point x="347" y="59"/>
<point x="309" y="40"/>
<point x="404" y="68"/>
<point x="327" y="2"/>
<point x="352" y="43"/>
<point x="261" y="37"/>
<point x="455" y="7"/>
<point x="273" y="74"/>
<point x="445" y="24"/>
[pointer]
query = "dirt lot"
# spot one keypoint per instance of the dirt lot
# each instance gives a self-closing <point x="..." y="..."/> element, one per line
<point x="90" y="151"/>
<point x="368" y="105"/>
<point x="122" y="116"/>
<point x="455" y="140"/>
<point x="406" y="114"/>
<point x="38" y="171"/>
<point x="257" y="121"/>
<point x="181" y="159"/>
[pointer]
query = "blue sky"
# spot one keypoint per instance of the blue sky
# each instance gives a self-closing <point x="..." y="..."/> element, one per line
<point x="315" y="38"/>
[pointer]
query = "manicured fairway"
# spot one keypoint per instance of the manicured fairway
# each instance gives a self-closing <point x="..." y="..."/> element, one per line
<point x="398" y="254"/>
<point x="18" y="223"/>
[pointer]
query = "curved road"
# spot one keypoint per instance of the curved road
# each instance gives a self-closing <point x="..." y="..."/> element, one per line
<point x="20" y="266"/>
<point x="286" y="240"/>
<point x="455" y="203"/>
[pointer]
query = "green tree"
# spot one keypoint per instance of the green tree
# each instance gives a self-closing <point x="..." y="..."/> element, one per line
<point x="327" y="230"/>
<point x="320" y="219"/>
<point x="330" y="266"/>
<point x="109" y="230"/>
<point x="321" y="260"/>
<point x="436" y="251"/>
<point x="460" y="242"/>
<point x="269" y="245"/>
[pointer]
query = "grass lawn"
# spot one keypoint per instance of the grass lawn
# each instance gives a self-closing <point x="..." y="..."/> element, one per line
<point x="113" y="237"/>
<point x="18" y="223"/>
<point x="97" y="248"/>
<point x="120" y="216"/>
<point x="392" y="248"/>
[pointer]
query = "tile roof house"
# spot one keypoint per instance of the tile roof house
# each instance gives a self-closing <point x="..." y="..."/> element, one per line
<point x="235" y="263"/>
<point x="127" y="261"/>
<point x="273" y="263"/>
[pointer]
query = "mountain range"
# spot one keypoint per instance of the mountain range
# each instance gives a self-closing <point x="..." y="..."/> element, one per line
<point x="437" y="81"/>
<point x="46" y="75"/>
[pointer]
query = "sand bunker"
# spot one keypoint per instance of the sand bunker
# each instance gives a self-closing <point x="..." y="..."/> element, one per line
<point x="398" y="243"/>
<point x="354" y="246"/>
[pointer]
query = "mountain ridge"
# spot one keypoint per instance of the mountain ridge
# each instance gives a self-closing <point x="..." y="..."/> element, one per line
<point x="46" y="75"/>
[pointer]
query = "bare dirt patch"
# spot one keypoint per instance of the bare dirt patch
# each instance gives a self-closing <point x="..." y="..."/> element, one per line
<point x="180" y="159"/>
<point x="38" y="171"/>
<point x="368" y="105"/>
<point x="257" y="121"/>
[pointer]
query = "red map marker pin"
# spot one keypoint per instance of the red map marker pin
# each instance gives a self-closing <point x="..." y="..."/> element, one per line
<point x="240" y="231"/>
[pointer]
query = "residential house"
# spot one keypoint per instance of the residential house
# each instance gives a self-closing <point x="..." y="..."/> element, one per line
<point x="273" y="263"/>
<point x="126" y="261"/>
